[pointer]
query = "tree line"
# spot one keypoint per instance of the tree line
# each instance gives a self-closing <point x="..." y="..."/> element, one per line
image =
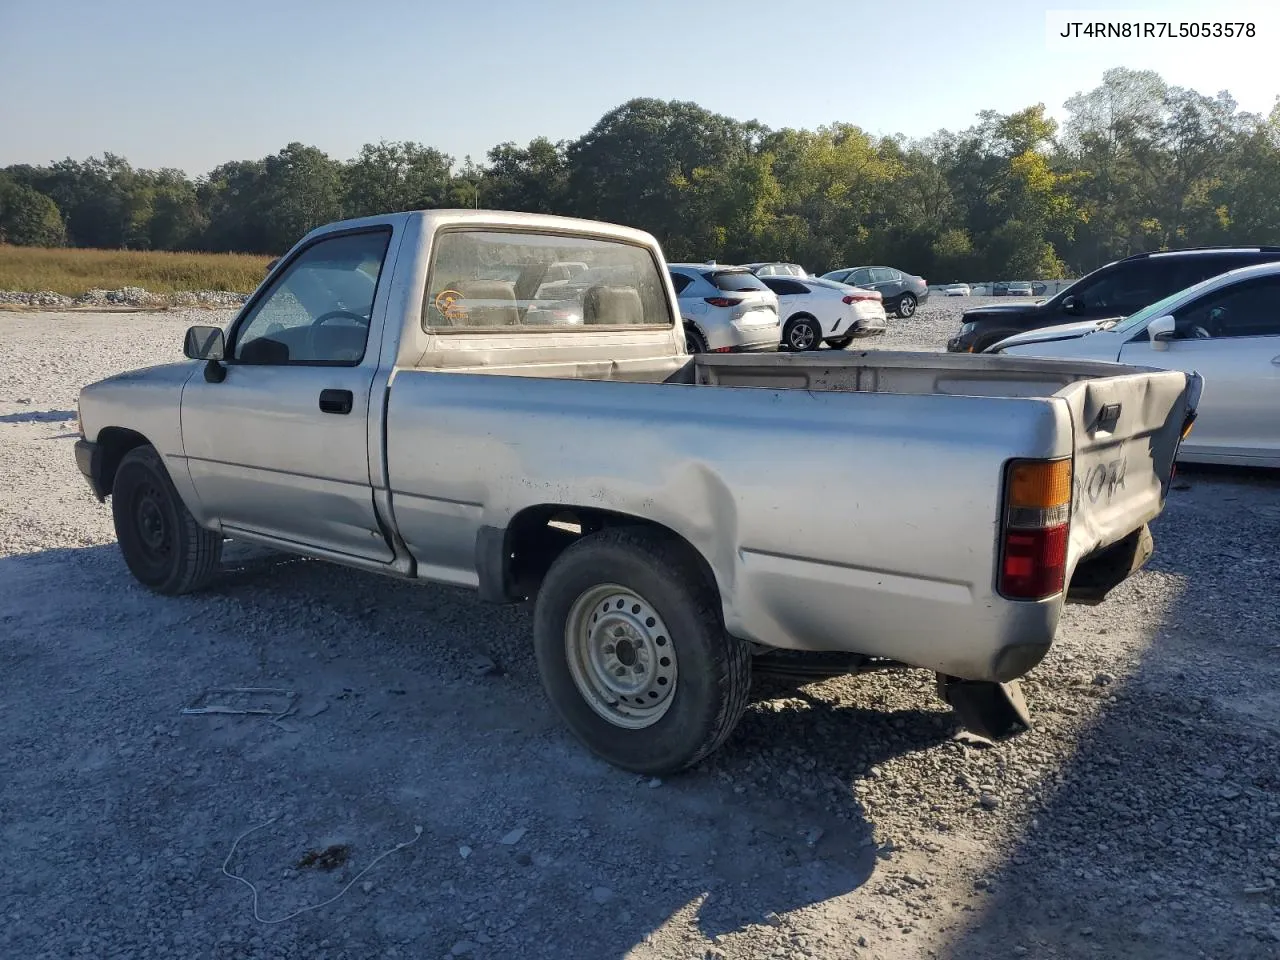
<point x="1137" y="165"/>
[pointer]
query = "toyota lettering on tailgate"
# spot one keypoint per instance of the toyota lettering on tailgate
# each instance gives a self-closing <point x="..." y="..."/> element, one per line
<point x="1104" y="479"/>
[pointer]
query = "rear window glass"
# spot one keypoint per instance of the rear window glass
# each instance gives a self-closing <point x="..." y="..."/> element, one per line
<point x="734" y="280"/>
<point x="509" y="279"/>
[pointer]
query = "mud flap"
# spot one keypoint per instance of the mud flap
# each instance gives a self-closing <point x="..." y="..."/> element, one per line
<point x="996" y="711"/>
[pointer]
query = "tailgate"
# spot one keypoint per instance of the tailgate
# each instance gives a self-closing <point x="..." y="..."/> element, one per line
<point x="1127" y="430"/>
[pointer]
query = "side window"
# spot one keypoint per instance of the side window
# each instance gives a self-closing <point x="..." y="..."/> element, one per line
<point x="1131" y="287"/>
<point x="494" y="278"/>
<point x="1247" y="309"/>
<point x="317" y="311"/>
<point x="784" y="287"/>
<point x="860" y="277"/>
<point x="680" y="281"/>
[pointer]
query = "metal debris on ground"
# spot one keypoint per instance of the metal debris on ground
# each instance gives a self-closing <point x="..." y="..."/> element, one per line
<point x="272" y="702"/>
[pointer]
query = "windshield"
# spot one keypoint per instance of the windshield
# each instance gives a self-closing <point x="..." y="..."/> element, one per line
<point x="734" y="281"/>
<point x="1159" y="308"/>
<point x="832" y="284"/>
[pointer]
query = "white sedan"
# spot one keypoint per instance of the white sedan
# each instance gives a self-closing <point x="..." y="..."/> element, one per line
<point x="813" y="310"/>
<point x="957" y="290"/>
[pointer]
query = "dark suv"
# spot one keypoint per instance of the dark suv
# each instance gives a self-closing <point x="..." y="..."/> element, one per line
<point x="1110" y="292"/>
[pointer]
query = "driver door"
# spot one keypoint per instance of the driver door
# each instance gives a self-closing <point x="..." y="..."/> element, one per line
<point x="280" y="446"/>
<point x="1231" y="337"/>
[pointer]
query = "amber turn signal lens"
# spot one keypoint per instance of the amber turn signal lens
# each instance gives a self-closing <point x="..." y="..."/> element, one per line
<point x="1040" y="484"/>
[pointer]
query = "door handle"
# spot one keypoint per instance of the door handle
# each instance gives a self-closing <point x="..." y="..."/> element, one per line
<point x="335" y="401"/>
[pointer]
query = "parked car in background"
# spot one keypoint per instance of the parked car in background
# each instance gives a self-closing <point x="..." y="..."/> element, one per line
<point x="813" y="311"/>
<point x="900" y="292"/>
<point x="725" y="309"/>
<point x="1019" y="288"/>
<point x="1110" y="292"/>
<point x="777" y="270"/>
<point x="1226" y="328"/>
<point x="956" y="290"/>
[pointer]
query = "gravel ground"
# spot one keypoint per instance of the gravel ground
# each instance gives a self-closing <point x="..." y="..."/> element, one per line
<point x="1140" y="819"/>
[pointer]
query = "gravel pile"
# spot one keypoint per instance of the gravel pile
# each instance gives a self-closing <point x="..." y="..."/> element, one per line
<point x="43" y="298"/>
<point x="850" y="819"/>
<point x="125" y="297"/>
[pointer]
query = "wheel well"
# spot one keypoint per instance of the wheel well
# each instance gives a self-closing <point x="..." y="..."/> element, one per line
<point x="983" y="341"/>
<point x="537" y="535"/>
<point x="115" y="442"/>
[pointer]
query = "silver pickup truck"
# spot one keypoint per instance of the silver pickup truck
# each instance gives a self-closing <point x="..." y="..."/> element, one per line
<point x="408" y="394"/>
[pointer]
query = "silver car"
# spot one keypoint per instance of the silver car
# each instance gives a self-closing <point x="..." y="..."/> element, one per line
<point x="1226" y="328"/>
<point x="725" y="309"/>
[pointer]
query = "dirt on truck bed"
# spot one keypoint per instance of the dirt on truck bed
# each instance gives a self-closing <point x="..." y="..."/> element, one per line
<point x="1139" y="819"/>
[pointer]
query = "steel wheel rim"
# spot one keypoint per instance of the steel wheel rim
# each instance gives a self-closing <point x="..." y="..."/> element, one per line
<point x="154" y="533"/>
<point x="620" y="656"/>
<point x="802" y="336"/>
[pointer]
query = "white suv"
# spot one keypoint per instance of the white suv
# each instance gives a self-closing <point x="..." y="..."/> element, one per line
<point x="725" y="309"/>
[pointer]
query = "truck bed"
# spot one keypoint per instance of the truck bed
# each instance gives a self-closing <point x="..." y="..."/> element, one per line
<point x="847" y="499"/>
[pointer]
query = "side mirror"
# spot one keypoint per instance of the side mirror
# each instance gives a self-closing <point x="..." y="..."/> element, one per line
<point x="1071" y="305"/>
<point x="208" y="344"/>
<point x="1160" y="331"/>
<point x="204" y="343"/>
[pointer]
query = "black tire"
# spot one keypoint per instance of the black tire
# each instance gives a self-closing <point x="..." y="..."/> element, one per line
<point x="907" y="304"/>
<point x="794" y="332"/>
<point x="694" y="342"/>
<point x="710" y="692"/>
<point x="839" y="343"/>
<point x="991" y="339"/>
<point x="163" y="546"/>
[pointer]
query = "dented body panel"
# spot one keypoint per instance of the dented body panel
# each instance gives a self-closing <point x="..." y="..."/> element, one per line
<point x="841" y="501"/>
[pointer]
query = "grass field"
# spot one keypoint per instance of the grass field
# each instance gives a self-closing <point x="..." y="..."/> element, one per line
<point x="73" y="271"/>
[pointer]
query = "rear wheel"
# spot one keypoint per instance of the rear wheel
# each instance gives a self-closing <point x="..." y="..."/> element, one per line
<point x="906" y="305"/>
<point x="839" y="343"/>
<point x="694" y="341"/>
<point x="163" y="546"/>
<point x="633" y="654"/>
<point x="802" y="333"/>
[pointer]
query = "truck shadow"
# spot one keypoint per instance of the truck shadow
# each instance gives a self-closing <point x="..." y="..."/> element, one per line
<point x="398" y="713"/>
<point x="38" y="416"/>
<point x="1151" y="838"/>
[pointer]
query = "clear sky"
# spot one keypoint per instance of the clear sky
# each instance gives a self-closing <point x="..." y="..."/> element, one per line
<point x="168" y="83"/>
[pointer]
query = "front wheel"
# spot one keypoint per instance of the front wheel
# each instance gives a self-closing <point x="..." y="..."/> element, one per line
<point x="907" y="305"/>
<point x="633" y="653"/>
<point x="163" y="546"/>
<point x="991" y="339"/>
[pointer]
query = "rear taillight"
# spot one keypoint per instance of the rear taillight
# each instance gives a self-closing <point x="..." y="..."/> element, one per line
<point x="1034" y="534"/>
<point x="862" y="297"/>
<point x="722" y="301"/>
